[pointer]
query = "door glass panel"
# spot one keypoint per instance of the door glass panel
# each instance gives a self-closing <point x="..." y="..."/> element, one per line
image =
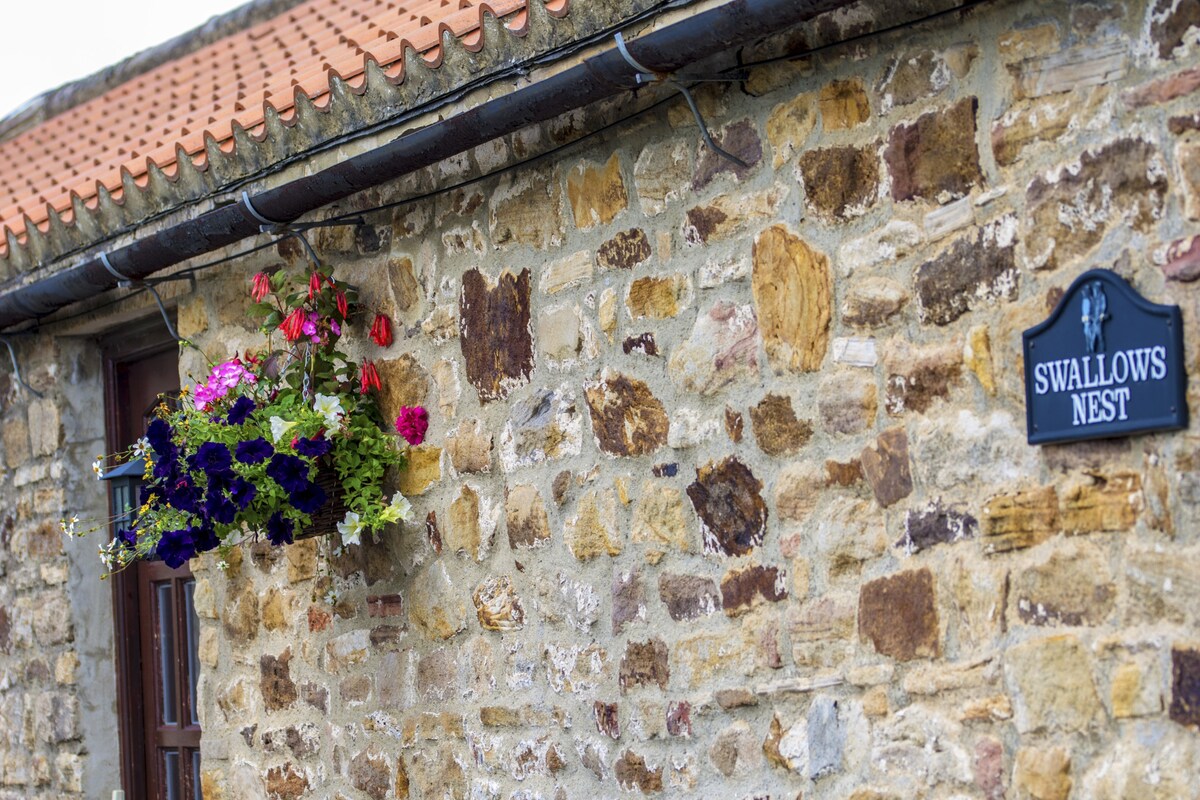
<point x="166" y="654"/>
<point x="193" y="647"/>
<point x="171" y="787"/>
<point x="196" y="774"/>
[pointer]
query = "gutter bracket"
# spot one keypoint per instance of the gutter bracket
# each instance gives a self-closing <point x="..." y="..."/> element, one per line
<point x="122" y="281"/>
<point x="645" y="75"/>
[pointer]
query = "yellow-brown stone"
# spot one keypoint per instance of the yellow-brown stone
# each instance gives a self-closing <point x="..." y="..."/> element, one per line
<point x="424" y="468"/>
<point x="843" y="105"/>
<point x="596" y="193"/>
<point x="592" y="533"/>
<point x="1043" y="773"/>
<point x="1020" y="519"/>
<point x="789" y="126"/>
<point x="656" y="297"/>
<point x="465" y="534"/>
<point x="792" y="297"/>
<point x="405" y="383"/>
<point x="1105" y="503"/>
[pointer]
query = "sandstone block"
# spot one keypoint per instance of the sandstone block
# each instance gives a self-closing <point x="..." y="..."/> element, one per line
<point x="525" y="512"/>
<point x="591" y="532"/>
<point x="661" y="174"/>
<point x="644" y="664"/>
<point x="792" y="298"/>
<point x="1106" y="503"/>
<point x="847" y="402"/>
<point x="1052" y="677"/>
<point x="660" y="520"/>
<point x="936" y="524"/>
<point x="789" y="126"/>
<point x="1072" y="587"/>
<point x="722" y="348"/>
<point x="1123" y="183"/>
<point x="434" y="604"/>
<point x="498" y="606"/>
<point x="776" y="428"/>
<point x="730" y="214"/>
<point x="935" y="154"/>
<point x="688" y="597"/>
<point x="971" y="273"/>
<point x="526" y="209"/>
<point x="1043" y="773"/>
<point x="742" y="589"/>
<point x="872" y="302"/>
<point x="843" y="105"/>
<point x="1021" y="519"/>
<point x="822" y="631"/>
<point x="542" y="427"/>
<point x="1185" y="686"/>
<point x="840" y="183"/>
<point x="627" y="419"/>
<point x="919" y="376"/>
<point x="470" y="447"/>
<point x="596" y="192"/>
<point x="886" y="467"/>
<point x="559" y="333"/>
<point x="632" y="772"/>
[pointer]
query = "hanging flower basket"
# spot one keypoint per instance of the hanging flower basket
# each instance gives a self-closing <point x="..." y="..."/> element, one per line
<point x="284" y="443"/>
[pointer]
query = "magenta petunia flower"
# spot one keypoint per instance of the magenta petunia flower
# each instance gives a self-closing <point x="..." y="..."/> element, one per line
<point x="412" y="424"/>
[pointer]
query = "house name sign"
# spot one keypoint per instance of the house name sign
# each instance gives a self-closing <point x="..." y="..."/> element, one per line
<point x="1107" y="362"/>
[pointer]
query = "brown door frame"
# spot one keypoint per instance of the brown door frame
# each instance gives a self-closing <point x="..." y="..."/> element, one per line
<point x="135" y="342"/>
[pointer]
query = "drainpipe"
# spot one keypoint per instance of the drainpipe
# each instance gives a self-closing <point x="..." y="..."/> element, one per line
<point x="599" y="77"/>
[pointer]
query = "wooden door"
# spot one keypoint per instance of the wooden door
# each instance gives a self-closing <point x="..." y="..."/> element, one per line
<point x="156" y="625"/>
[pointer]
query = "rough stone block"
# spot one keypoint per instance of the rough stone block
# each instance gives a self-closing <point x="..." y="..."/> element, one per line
<point x="1053" y="687"/>
<point x="596" y="193"/>
<point x="935" y="154"/>
<point x="793" y="299"/>
<point x="898" y="615"/>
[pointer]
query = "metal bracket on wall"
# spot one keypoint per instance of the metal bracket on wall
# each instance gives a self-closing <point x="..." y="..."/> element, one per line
<point x="17" y="369"/>
<point x="148" y="285"/>
<point x="647" y="75"/>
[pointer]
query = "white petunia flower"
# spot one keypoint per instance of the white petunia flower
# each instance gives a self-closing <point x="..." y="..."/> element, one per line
<point x="351" y="529"/>
<point x="399" y="510"/>
<point x="280" y="427"/>
<point x="330" y="407"/>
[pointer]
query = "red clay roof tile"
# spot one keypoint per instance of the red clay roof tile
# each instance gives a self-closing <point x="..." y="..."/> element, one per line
<point x="176" y="106"/>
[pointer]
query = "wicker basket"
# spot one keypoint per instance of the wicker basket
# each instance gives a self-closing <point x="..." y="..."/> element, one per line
<point x="326" y="518"/>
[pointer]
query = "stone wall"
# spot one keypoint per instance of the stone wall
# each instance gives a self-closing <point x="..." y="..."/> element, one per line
<point x="727" y="493"/>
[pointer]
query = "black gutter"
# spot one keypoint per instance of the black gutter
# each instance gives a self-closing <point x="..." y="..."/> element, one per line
<point x="690" y="40"/>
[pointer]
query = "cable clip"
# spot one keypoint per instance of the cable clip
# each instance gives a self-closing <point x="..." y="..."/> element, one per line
<point x="122" y="281"/>
<point x="265" y="225"/>
<point x="17" y="369"/>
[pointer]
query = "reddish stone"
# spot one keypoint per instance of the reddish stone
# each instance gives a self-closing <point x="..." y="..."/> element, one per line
<point x="728" y="499"/>
<point x="935" y="154"/>
<point x="316" y="696"/>
<point x="629" y="600"/>
<point x="645" y="663"/>
<point x="369" y="773"/>
<point x="318" y="619"/>
<point x="496" y="342"/>
<point x="433" y="533"/>
<point x="843" y="473"/>
<point x="278" y="689"/>
<point x="285" y="783"/>
<point x="1183" y="260"/>
<point x="705" y="220"/>
<point x="632" y="772"/>
<point x="969" y="272"/>
<point x="988" y="766"/>
<point x="384" y="635"/>
<point x="679" y="719"/>
<point x="625" y="250"/>
<point x="741" y="588"/>
<point x="607" y="721"/>
<point x="1163" y="90"/>
<point x="886" y="467"/>
<point x="898" y="615"/>
<point x="385" y="605"/>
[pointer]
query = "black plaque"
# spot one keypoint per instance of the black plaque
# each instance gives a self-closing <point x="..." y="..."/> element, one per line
<point x="1107" y="362"/>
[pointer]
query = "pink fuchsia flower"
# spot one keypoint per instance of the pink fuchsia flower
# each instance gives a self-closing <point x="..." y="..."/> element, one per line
<point x="260" y="286"/>
<point x="412" y="424"/>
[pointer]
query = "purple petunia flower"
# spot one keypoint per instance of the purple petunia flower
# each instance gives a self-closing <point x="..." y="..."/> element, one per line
<point x="290" y="472"/>
<point x="240" y="410"/>
<point x="313" y="448"/>
<point x="127" y="537"/>
<point x="308" y="498"/>
<point x="242" y="492"/>
<point x="254" y="451"/>
<point x="159" y="436"/>
<point x="184" y="495"/>
<point x="176" y="547"/>
<point x="279" y="530"/>
<point x="219" y="508"/>
<point x="212" y="457"/>
<point x="204" y="538"/>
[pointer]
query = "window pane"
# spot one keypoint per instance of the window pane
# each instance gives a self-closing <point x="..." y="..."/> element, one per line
<point x="193" y="647"/>
<point x="196" y="774"/>
<point x="171" y="788"/>
<point x="169" y="700"/>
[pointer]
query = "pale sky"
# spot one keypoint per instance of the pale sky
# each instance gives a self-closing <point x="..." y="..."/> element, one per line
<point x="46" y="43"/>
